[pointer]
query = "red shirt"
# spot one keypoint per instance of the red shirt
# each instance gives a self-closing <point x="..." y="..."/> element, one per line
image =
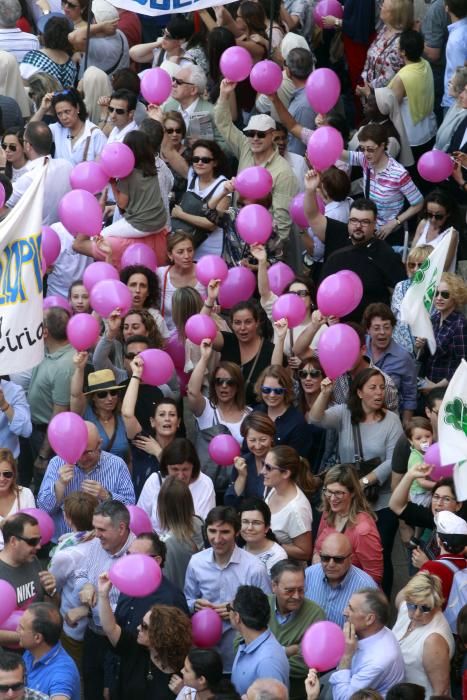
<point x="130" y="25"/>
<point x="444" y="572"/>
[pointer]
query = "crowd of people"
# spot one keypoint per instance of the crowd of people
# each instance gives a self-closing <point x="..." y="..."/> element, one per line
<point x="331" y="477"/>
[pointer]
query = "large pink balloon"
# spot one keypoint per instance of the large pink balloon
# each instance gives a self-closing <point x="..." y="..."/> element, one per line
<point x="211" y="267"/>
<point x="140" y="521"/>
<point x="83" y="331"/>
<point x="338" y="295"/>
<point x="68" y="435"/>
<point x="236" y="63"/>
<point x="108" y="295"/>
<point x="325" y="8"/>
<point x="156" y="86"/>
<point x="98" y="271"/>
<point x="435" y="166"/>
<point x="80" y="212"/>
<point x="279" y="276"/>
<point x="254" y="182"/>
<point x="323" y="89"/>
<point x="433" y="457"/>
<point x="291" y="307"/>
<point x="254" y="224"/>
<point x="158" y="367"/>
<point x="46" y="524"/>
<point x="297" y="211"/>
<point x="206" y="627"/>
<point x="56" y="300"/>
<point x="136" y="575"/>
<point x="2" y="195"/>
<point x="176" y="349"/>
<point x="139" y="254"/>
<point x="199" y="327"/>
<point x="89" y="176"/>
<point x="117" y="159"/>
<point x="266" y="77"/>
<point x="7" y="600"/>
<point x="338" y="349"/>
<point x="323" y="645"/>
<point x="11" y="624"/>
<point x="239" y="285"/>
<point x="223" y="449"/>
<point x="51" y="245"/>
<point x="325" y="147"/>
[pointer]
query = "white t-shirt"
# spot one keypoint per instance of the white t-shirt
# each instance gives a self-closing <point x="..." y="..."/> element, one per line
<point x="271" y="556"/>
<point x="207" y="420"/>
<point x="167" y="292"/>
<point x="293" y="520"/>
<point x="117" y="135"/>
<point x="69" y="265"/>
<point x="74" y="152"/>
<point x="25" y="500"/>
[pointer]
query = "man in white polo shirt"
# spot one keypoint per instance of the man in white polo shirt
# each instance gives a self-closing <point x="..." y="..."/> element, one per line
<point x="12" y="39"/>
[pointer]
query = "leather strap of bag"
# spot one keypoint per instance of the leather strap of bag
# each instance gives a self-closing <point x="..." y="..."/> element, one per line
<point x="250" y="374"/>
<point x="163" y="290"/>
<point x="357" y="443"/>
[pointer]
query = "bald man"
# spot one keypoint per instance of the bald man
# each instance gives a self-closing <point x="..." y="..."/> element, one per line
<point x="266" y="689"/>
<point x="333" y="581"/>
<point x="98" y="473"/>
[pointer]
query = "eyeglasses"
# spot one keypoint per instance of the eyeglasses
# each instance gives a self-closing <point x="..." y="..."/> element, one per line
<point x="65" y="3"/>
<point x="130" y="355"/>
<point x="6" y="475"/>
<point x="117" y="110"/>
<point x="369" y="149"/>
<point x="277" y="390"/>
<point x="424" y="609"/>
<point x="272" y="468"/>
<point x="255" y="134"/>
<point x="414" y="265"/>
<point x="443" y="293"/>
<point x="177" y="81"/>
<point x="300" y="292"/>
<point x="109" y="392"/>
<point x="442" y="499"/>
<point x="171" y="130"/>
<point x="436" y="216"/>
<point x="31" y="541"/>
<point x="313" y="373"/>
<point x="362" y="222"/>
<point x="201" y="159"/>
<point x="223" y="381"/>
<point x="338" y="495"/>
<point x="144" y="625"/>
<point x="9" y="147"/>
<point x="11" y="686"/>
<point x="253" y="523"/>
<point x="326" y="558"/>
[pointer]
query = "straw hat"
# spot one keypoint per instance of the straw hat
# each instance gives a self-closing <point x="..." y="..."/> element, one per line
<point x="101" y="380"/>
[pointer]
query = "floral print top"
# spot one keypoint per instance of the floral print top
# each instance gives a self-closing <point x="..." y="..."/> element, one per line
<point x="383" y="59"/>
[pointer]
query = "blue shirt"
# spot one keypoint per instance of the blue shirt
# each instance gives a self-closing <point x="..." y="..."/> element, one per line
<point x="456" y="51"/>
<point x="264" y="657"/>
<point x="401" y="367"/>
<point x="55" y="673"/>
<point x="21" y="424"/>
<point x="110" y="471"/>
<point x="300" y="109"/>
<point x="334" y="599"/>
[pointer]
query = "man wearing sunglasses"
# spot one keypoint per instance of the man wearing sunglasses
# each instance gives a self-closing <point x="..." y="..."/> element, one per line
<point x="333" y="581"/>
<point x="13" y="679"/>
<point x="117" y="119"/>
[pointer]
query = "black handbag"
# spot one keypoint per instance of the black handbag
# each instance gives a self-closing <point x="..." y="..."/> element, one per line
<point x="192" y="203"/>
<point x="365" y="466"/>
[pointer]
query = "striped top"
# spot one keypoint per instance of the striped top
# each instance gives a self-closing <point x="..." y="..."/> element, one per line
<point x="17" y="43"/>
<point x="388" y="187"/>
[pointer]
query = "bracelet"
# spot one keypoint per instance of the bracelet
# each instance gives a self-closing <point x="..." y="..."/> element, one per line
<point x="208" y="306"/>
<point x="133" y="376"/>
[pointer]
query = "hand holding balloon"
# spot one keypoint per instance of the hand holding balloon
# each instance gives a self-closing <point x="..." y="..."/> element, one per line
<point x="137" y="366"/>
<point x="80" y="359"/>
<point x="312" y="686"/>
<point x="66" y="474"/>
<point x="327" y="387"/>
<point x="104" y="584"/>
<point x="281" y="327"/>
<point x="206" y="349"/>
<point x="213" y="290"/>
<point x="258" y="251"/>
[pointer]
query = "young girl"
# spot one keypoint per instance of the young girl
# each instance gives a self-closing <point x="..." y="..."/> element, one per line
<point x="78" y="296"/>
<point x="420" y="436"/>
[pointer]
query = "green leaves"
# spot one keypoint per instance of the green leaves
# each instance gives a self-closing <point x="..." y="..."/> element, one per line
<point x="456" y="415"/>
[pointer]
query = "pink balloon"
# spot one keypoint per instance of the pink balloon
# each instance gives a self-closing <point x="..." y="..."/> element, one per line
<point x="83" y="331"/>
<point x="321" y="204"/>
<point x="323" y="645"/>
<point x="80" y="212"/>
<point x="56" y="300"/>
<point x="297" y="212"/>
<point x="46" y="524"/>
<point x="136" y="575"/>
<point x="2" y="195"/>
<point x="279" y="276"/>
<point x="98" y="271"/>
<point x="43" y="266"/>
<point x="322" y="89"/>
<point x="223" y="449"/>
<point x="338" y="295"/>
<point x="11" y="624"/>
<point x="338" y="349"/>
<point x="239" y="285"/>
<point x="156" y="86"/>
<point x="158" y="367"/>
<point x="117" y="159"/>
<point x="139" y="254"/>
<point x="291" y="307"/>
<point x="51" y="245"/>
<point x="433" y="457"/>
<point x="206" y="627"/>
<point x="89" y="176"/>
<point x="325" y="147"/>
<point x="176" y="349"/>
<point x="435" y="166"/>
<point x="68" y="435"/>
<point x="211" y="267"/>
<point x="199" y="327"/>
<point x="326" y="8"/>
<point x="254" y="182"/>
<point x="266" y="77"/>
<point x="108" y="295"/>
<point x="140" y="521"/>
<point x="236" y="63"/>
<point x="254" y="224"/>
<point x="7" y="600"/>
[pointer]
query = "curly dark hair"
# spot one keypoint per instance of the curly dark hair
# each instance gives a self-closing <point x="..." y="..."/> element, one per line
<point x="217" y="153"/>
<point x="55" y="35"/>
<point x="153" y="283"/>
<point x="73" y="97"/>
<point x="170" y="635"/>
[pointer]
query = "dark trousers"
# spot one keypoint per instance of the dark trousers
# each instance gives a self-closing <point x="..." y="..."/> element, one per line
<point x="94" y="657"/>
<point x="388" y="525"/>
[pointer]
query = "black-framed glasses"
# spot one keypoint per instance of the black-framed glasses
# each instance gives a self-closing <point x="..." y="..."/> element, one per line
<point x="31" y="541"/>
<point x="251" y="134"/>
<point x="272" y="468"/>
<point x="339" y="495"/>
<point x="201" y="159"/>
<point x="107" y="392"/>
<point x="436" y="498"/>
<point x="6" y="475"/>
<point x="14" y="687"/>
<point x="174" y="130"/>
<point x="117" y="110"/>
<point x="435" y="215"/>
<point x="326" y="558"/>
<point x="443" y="293"/>
<point x="9" y="147"/>
<point x="66" y="3"/>
<point x="300" y="292"/>
<point x="177" y="81"/>
<point x="313" y="373"/>
<point x="424" y="609"/>
<point x="362" y="222"/>
<point x="277" y="390"/>
<point x="224" y="381"/>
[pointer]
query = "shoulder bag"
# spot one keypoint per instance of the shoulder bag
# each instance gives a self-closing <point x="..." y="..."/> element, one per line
<point x="192" y="203"/>
<point x="364" y="466"/>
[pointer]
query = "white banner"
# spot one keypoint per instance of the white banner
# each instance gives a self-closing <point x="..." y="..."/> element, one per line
<point x="165" y="7"/>
<point x="452" y="428"/>
<point x="21" y="314"/>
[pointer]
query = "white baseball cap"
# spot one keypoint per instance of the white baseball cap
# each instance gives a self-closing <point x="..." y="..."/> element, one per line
<point x="260" y="122"/>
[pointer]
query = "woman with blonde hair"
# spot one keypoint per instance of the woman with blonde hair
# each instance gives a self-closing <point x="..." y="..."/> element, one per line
<point x="40" y="84"/>
<point x="13" y="497"/>
<point x="94" y="85"/>
<point x="345" y="509"/>
<point x="424" y="635"/>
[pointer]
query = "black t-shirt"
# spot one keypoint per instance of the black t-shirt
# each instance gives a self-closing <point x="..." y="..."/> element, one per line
<point x="148" y="396"/>
<point x="418" y="516"/>
<point x="337" y="237"/>
<point x="130" y="611"/>
<point x="400" y="456"/>
<point x="139" y="679"/>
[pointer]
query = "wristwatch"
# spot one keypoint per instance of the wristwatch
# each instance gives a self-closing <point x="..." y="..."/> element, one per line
<point x="365" y="481"/>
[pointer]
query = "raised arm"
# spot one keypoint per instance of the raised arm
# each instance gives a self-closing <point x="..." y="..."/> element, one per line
<point x="259" y="253"/>
<point x="112" y="631"/>
<point x="196" y="400"/>
<point x="316" y="412"/>
<point x="285" y="117"/>
<point x="132" y="424"/>
<point x="317" y="221"/>
<point x="301" y="346"/>
<point x="77" y="398"/>
<point x="208" y="306"/>
<point x="400" y="495"/>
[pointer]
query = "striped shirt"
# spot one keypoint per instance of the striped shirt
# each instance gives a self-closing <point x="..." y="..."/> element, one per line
<point x="110" y="471"/>
<point x="17" y="43"/>
<point x="388" y="187"/>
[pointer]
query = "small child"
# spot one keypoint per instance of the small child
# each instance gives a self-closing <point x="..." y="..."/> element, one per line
<point x="420" y="435"/>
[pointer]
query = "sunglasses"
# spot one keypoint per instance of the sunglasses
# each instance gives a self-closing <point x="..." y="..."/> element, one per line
<point x="272" y="468"/>
<point x="9" y="147"/>
<point x="437" y="217"/>
<point x="255" y="134"/>
<point x="201" y="159"/>
<point x="117" y="110"/>
<point x="424" y="609"/>
<point x="442" y="293"/>
<point x="301" y="292"/>
<point x="108" y="392"/>
<point x="326" y="558"/>
<point x="31" y="541"/>
<point x="177" y="81"/>
<point x="221" y="381"/>
<point x="11" y="686"/>
<point x="6" y="475"/>
<point x="313" y="373"/>
<point x="414" y="265"/>
<point x="369" y="149"/>
<point x="65" y="3"/>
<point x="173" y="131"/>
<point x="277" y="390"/>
